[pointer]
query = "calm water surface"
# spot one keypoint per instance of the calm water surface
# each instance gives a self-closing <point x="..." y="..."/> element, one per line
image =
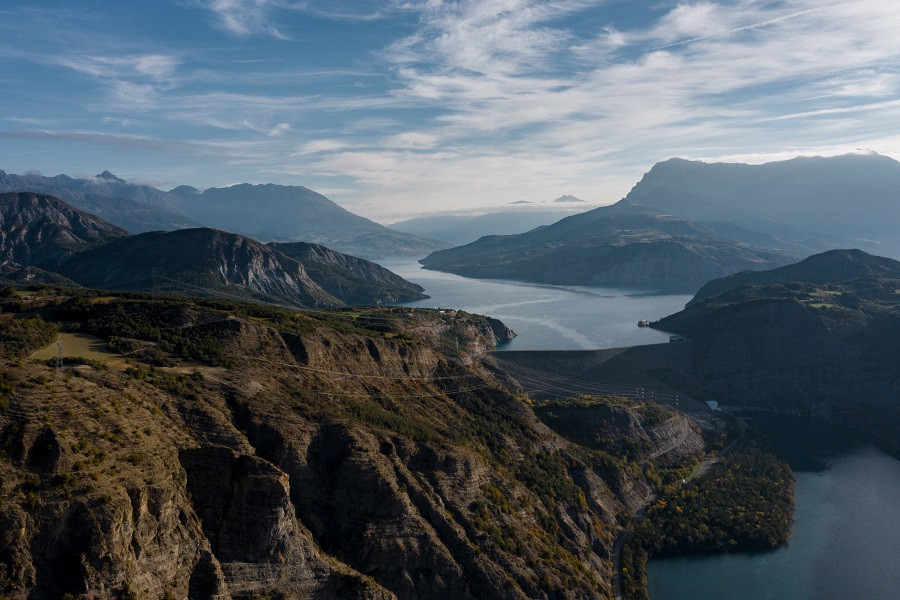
<point x="845" y="540"/>
<point x="548" y="317"/>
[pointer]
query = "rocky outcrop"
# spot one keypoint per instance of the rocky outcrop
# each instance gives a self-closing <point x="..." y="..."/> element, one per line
<point x="353" y="280"/>
<point x="42" y="231"/>
<point x="342" y="455"/>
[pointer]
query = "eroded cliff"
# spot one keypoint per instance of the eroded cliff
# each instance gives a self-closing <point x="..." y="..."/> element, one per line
<point x="220" y="450"/>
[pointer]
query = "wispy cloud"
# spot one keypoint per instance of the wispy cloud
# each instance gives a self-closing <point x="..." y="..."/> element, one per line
<point x="495" y="100"/>
<point x="157" y="67"/>
<point x="260" y="17"/>
<point x="245" y="17"/>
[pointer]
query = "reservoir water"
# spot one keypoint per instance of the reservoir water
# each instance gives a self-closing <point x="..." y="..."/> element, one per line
<point x="547" y="317"/>
<point x="845" y="539"/>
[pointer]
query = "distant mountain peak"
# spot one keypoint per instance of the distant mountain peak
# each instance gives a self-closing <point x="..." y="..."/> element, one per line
<point x="521" y="202"/>
<point x="184" y="189"/>
<point x="110" y="176"/>
<point x="568" y="198"/>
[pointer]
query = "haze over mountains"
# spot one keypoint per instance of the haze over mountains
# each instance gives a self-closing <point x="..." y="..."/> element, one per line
<point x="42" y="232"/>
<point x="688" y="222"/>
<point x="851" y="200"/>
<point x="621" y="244"/>
<point x="684" y="223"/>
<point x="295" y="214"/>
<point x="265" y="212"/>
<point x="462" y="229"/>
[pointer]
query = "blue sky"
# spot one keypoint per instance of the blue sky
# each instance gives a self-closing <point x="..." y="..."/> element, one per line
<point x="403" y="107"/>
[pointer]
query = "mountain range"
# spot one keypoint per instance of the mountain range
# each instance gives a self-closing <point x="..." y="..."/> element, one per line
<point x="266" y="212"/>
<point x="687" y="222"/>
<point x="295" y="214"/>
<point x="851" y="200"/>
<point x="622" y="244"/>
<point x="44" y="233"/>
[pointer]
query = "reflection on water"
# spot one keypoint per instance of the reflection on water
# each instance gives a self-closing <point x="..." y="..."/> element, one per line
<point x="845" y="539"/>
<point x="548" y="317"/>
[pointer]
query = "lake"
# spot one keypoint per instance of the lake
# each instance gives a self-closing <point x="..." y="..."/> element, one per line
<point x="845" y="539"/>
<point x="548" y="317"/>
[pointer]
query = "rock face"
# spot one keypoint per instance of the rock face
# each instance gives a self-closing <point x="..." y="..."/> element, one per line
<point x="200" y="262"/>
<point x="353" y="280"/>
<point x="614" y="245"/>
<point x="820" y="202"/>
<point x="340" y="455"/>
<point x="44" y="240"/>
<point x="42" y="231"/>
<point x="804" y="339"/>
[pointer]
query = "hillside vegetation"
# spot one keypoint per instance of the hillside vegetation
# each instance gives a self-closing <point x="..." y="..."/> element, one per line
<point x="216" y="449"/>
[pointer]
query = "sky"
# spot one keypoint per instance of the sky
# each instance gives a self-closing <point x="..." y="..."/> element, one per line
<point x="398" y="108"/>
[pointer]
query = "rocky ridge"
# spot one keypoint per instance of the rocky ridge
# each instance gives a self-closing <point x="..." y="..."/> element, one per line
<point x="41" y="231"/>
<point x="622" y="244"/>
<point x="327" y="455"/>
<point x="44" y="240"/>
<point x="266" y="212"/>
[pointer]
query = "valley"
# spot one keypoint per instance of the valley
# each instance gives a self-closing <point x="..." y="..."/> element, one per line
<point x="568" y="500"/>
<point x="450" y="300"/>
<point x="370" y="455"/>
